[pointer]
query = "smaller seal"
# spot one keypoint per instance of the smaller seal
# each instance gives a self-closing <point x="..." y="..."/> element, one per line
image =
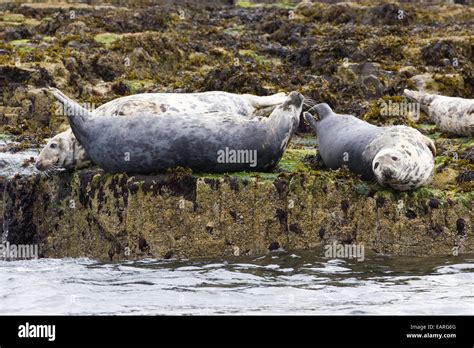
<point x="451" y="114"/>
<point x="398" y="156"/>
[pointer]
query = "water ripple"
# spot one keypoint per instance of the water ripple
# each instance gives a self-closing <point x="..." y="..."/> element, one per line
<point x="272" y="284"/>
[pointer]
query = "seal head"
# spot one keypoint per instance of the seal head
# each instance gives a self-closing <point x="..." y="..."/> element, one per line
<point x="404" y="158"/>
<point x="62" y="151"/>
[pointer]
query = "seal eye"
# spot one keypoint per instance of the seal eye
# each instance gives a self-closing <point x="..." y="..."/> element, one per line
<point x="376" y="165"/>
<point x="53" y="146"/>
<point x="395" y="158"/>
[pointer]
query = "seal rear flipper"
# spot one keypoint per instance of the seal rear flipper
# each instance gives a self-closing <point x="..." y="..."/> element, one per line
<point x="415" y="95"/>
<point x="76" y="115"/>
<point x="423" y="98"/>
<point x="266" y="101"/>
<point x="71" y="108"/>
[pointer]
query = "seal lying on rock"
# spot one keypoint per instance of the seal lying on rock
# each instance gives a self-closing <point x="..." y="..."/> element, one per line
<point x="63" y="150"/>
<point x="451" y="115"/>
<point x="397" y="156"/>
<point x="212" y="142"/>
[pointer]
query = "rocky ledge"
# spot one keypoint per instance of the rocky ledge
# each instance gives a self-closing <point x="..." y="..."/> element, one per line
<point x="90" y="213"/>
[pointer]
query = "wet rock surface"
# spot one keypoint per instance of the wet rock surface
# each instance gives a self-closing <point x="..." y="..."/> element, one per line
<point x="115" y="217"/>
<point x="357" y="57"/>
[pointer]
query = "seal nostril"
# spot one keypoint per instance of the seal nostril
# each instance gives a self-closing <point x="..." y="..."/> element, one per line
<point x="376" y="165"/>
<point x="387" y="173"/>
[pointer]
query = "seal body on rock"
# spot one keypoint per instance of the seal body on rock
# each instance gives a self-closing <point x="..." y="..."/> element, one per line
<point x="63" y="151"/>
<point x="211" y="142"/>
<point x="451" y="114"/>
<point x="397" y="156"/>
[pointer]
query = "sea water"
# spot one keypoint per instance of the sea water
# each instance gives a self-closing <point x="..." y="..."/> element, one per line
<point x="277" y="283"/>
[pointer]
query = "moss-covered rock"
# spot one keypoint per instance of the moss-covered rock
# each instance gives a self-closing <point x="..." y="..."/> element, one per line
<point x="105" y="216"/>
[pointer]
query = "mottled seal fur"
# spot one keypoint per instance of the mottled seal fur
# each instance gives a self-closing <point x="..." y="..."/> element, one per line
<point x="148" y="144"/>
<point x="397" y="156"/>
<point x="451" y="115"/>
<point x="63" y="151"/>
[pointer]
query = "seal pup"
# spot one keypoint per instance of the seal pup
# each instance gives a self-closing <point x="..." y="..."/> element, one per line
<point x="63" y="151"/>
<point x="451" y="114"/>
<point x="211" y="142"/>
<point x="397" y="156"/>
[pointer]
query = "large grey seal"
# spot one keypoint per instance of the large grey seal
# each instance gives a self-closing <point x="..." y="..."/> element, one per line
<point x="397" y="156"/>
<point x="64" y="151"/>
<point x="211" y="142"/>
<point x="451" y="114"/>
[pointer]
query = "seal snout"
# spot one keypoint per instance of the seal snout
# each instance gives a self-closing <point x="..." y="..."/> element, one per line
<point x="385" y="171"/>
<point x="39" y="165"/>
<point x="294" y="98"/>
<point x="388" y="173"/>
<point x="43" y="165"/>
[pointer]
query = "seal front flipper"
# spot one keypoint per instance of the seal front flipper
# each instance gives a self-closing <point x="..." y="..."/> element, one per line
<point x="323" y="110"/>
<point x="431" y="145"/>
<point x="310" y="119"/>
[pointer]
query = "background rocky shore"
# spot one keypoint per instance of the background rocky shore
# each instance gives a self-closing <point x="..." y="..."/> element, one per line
<point x="354" y="56"/>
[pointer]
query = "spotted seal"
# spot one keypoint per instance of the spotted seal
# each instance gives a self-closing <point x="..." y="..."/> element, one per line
<point x="397" y="156"/>
<point x="451" y="114"/>
<point x="210" y="142"/>
<point x="63" y="151"/>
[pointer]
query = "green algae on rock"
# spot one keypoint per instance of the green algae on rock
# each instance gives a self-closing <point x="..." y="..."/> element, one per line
<point x="106" y="216"/>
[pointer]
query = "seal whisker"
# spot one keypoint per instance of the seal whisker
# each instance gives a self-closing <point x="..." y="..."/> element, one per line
<point x="309" y="103"/>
